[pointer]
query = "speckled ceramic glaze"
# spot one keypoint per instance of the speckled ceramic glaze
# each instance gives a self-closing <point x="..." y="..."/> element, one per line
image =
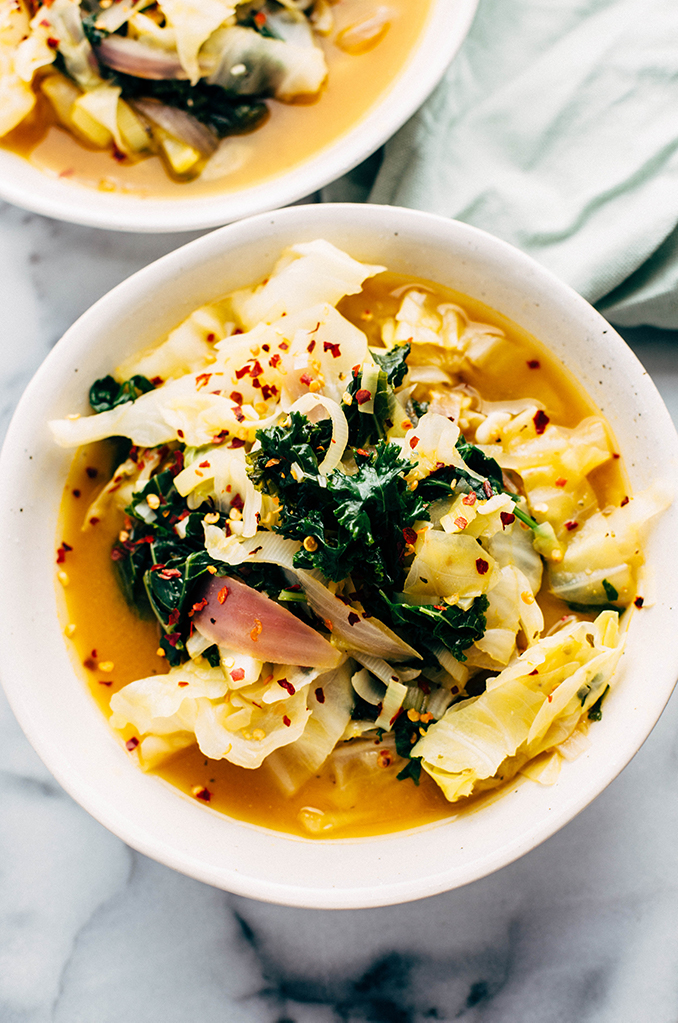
<point x="27" y="186"/>
<point x="68" y="730"/>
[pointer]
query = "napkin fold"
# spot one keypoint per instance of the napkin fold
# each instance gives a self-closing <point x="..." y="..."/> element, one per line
<point x="556" y="128"/>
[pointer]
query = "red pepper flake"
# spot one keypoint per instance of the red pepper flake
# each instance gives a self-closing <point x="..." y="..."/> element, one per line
<point x="274" y="361"/>
<point x="62" y="551"/>
<point x="320" y="695"/>
<point x="118" y="553"/>
<point x="533" y="363"/>
<point x="439" y="607"/>
<point x="256" y="369"/>
<point x="570" y="525"/>
<point x="335" y="349"/>
<point x="311" y="345"/>
<point x="481" y="566"/>
<point x="362" y="396"/>
<point x="204" y="465"/>
<point x="52" y="42"/>
<point x="89" y="664"/>
<point x="198" y="607"/>
<point x="615" y="455"/>
<point x="287" y="686"/>
<point x="222" y="594"/>
<point x="269" y="391"/>
<point x="172" y="639"/>
<point x="105" y="682"/>
<point x="384" y="758"/>
<point x="361" y="451"/>
<point x="454" y="690"/>
<point x="560" y="482"/>
<point x="487" y="488"/>
<point x="256" y="630"/>
<point x="182" y="685"/>
<point x="535" y="672"/>
<point x="202" y="793"/>
<point x="169" y="573"/>
<point x="156" y="381"/>
<point x="624" y="501"/>
<point x="550" y="697"/>
<point x="178" y="462"/>
<point x="541" y="421"/>
<point x="237" y="443"/>
<point x="266" y="348"/>
<point x="236" y="396"/>
<point x="260" y="19"/>
<point x="240" y="373"/>
<point x="173" y="617"/>
<point x="413" y="442"/>
<point x="639" y="601"/>
<point x="353" y="618"/>
<point x="180" y="433"/>
<point x="460" y="522"/>
<point x="306" y="379"/>
<point x="286" y="720"/>
<point x="469" y="499"/>
<point x="202" y="380"/>
<point x="132" y="743"/>
<point x="237" y="502"/>
<point x="237" y="674"/>
<point x="256" y="383"/>
<point x="76" y="492"/>
<point x="92" y="472"/>
<point x="94" y="520"/>
<point x="211" y="338"/>
<point x="507" y="518"/>
<point x="409" y="535"/>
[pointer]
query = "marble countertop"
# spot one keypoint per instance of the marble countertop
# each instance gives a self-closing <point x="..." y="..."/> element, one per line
<point x="582" y="930"/>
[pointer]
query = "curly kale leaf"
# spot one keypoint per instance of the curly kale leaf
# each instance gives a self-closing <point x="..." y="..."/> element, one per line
<point x="356" y="520"/>
<point x="393" y="361"/>
<point x="209" y="104"/>
<point x="366" y="428"/>
<point x="107" y="393"/>
<point x="426" y="626"/>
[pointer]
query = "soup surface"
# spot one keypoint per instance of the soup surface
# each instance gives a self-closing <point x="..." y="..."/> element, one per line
<point x="292" y="134"/>
<point x="114" y="646"/>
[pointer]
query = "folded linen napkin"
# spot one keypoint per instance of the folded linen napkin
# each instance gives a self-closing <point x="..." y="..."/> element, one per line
<point x="556" y="128"/>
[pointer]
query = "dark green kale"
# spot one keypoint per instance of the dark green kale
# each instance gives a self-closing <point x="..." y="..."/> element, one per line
<point x="212" y="656"/>
<point x="95" y="36"/>
<point x="393" y="361"/>
<point x="426" y="626"/>
<point x="596" y="710"/>
<point x="441" y="482"/>
<point x="407" y="733"/>
<point x="209" y="104"/>
<point x="610" y="591"/>
<point x="357" y="521"/>
<point x="107" y="393"/>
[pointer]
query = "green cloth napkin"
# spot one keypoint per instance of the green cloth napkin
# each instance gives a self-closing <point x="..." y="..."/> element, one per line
<point x="556" y="128"/>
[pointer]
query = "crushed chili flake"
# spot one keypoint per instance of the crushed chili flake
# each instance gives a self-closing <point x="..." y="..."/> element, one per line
<point x="92" y="472"/>
<point x="132" y="743"/>
<point x="409" y="535"/>
<point x="200" y="792"/>
<point x="238" y="413"/>
<point x="198" y="607"/>
<point x="481" y="566"/>
<point x="182" y="685"/>
<point x="469" y="499"/>
<point x="105" y="682"/>
<point x="362" y="396"/>
<point x="178" y="462"/>
<point x="286" y="720"/>
<point x="287" y="686"/>
<point x="211" y="338"/>
<point x="269" y="391"/>
<point x="311" y="345"/>
<point x="169" y="573"/>
<point x="460" y="522"/>
<point x="237" y="674"/>
<point x="204" y="465"/>
<point x="413" y="442"/>
<point x="306" y="379"/>
<point x="507" y="518"/>
<point x="76" y="492"/>
<point x="62" y="552"/>
<point x="173" y="616"/>
<point x="639" y="601"/>
<point x="541" y="421"/>
<point x="256" y="630"/>
<point x="361" y="451"/>
<point x="320" y="695"/>
<point x="329" y="347"/>
<point x="118" y="553"/>
<point x="561" y="482"/>
<point x="257" y="369"/>
<point x="222" y="594"/>
<point x="240" y="373"/>
<point x="384" y="758"/>
<point x="274" y="361"/>
<point x="624" y="500"/>
<point x="236" y="396"/>
<point x="535" y="672"/>
<point x="237" y="502"/>
<point x="237" y="443"/>
<point x="94" y="520"/>
<point x="353" y="618"/>
<point x="283" y="346"/>
<point x="260" y="19"/>
<point x="202" y="380"/>
<point x="487" y="487"/>
<point x="570" y="525"/>
<point x="533" y="363"/>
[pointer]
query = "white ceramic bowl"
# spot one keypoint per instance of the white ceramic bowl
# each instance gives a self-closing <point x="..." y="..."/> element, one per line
<point x="68" y="730"/>
<point x="31" y="188"/>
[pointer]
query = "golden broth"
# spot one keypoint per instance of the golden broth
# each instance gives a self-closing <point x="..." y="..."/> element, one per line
<point x="293" y="133"/>
<point x="107" y="630"/>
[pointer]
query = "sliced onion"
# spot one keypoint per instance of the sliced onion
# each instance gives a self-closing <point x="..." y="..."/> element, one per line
<point x="135" y="58"/>
<point x="251" y="623"/>
<point x="306" y="404"/>
<point x="179" y="124"/>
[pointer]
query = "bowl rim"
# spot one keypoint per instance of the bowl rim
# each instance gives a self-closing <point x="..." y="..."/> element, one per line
<point x="30" y="188"/>
<point x="13" y="663"/>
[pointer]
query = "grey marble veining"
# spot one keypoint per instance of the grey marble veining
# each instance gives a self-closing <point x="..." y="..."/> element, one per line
<point x="582" y="930"/>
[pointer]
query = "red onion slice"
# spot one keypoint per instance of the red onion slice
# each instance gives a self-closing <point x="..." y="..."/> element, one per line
<point x="135" y="58"/>
<point x="179" y="124"/>
<point x="251" y="623"/>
